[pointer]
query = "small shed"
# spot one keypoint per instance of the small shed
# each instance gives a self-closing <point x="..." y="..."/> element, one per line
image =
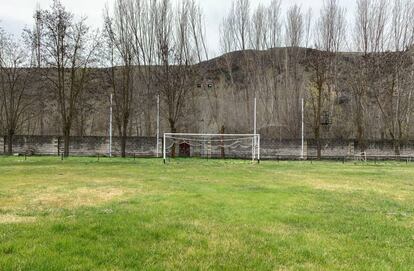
<point x="184" y="150"/>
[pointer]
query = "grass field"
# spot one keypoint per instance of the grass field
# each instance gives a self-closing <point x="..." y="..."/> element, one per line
<point x="81" y="214"/>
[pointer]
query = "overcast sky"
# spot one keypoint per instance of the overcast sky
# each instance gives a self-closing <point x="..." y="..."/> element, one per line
<point x="16" y="14"/>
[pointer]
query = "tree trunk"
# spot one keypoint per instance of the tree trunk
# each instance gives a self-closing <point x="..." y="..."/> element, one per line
<point x="223" y="154"/>
<point x="10" y="136"/>
<point x="397" y="147"/>
<point x="173" y="130"/>
<point x="123" y="146"/>
<point x="318" y="143"/>
<point x="124" y="136"/>
<point x="318" y="123"/>
<point x="360" y="136"/>
<point x="66" y="141"/>
<point x="42" y="123"/>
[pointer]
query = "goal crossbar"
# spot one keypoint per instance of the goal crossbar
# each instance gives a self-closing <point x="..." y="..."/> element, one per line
<point x="188" y="134"/>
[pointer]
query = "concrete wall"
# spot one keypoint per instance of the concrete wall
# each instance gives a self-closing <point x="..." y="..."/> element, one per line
<point x="146" y="146"/>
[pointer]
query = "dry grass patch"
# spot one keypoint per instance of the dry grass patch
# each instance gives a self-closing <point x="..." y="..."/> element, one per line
<point x="14" y="219"/>
<point x="388" y="190"/>
<point x="79" y="197"/>
<point x="61" y="197"/>
<point x="329" y="186"/>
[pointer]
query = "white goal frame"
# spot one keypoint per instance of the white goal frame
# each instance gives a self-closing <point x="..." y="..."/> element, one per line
<point x="255" y="141"/>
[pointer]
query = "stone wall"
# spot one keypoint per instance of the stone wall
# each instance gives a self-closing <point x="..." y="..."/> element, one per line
<point x="331" y="148"/>
<point x="146" y="147"/>
<point x="81" y="146"/>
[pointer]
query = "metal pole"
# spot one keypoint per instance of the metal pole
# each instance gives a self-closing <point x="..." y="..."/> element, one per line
<point x="258" y="149"/>
<point x="303" y="132"/>
<point x="158" y="125"/>
<point x="163" y="150"/>
<point x="110" y="129"/>
<point x="254" y="119"/>
<point x="255" y="128"/>
<point x="253" y="149"/>
<point x="204" y="140"/>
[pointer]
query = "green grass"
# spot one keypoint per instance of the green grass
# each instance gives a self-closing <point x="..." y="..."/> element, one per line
<point x="81" y="214"/>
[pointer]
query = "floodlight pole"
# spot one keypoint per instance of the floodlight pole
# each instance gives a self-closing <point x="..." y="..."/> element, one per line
<point x="255" y="128"/>
<point x="303" y="133"/>
<point x="258" y="149"/>
<point x="158" y="125"/>
<point x="110" y="127"/>
<point x="163" y="150"/>
<point x="254" y="118"/>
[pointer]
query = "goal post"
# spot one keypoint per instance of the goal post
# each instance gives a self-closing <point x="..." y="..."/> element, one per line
<point x="237" y="146"/>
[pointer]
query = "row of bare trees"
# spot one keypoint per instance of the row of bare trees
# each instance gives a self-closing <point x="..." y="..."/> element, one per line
<point x="53" y="61"/>
<point x="384" y="34"/>
<point x="268" y="78"/>
<point x="148" y="47"/>
<point x="153" y="45"/>
<point x="378" y="81"/>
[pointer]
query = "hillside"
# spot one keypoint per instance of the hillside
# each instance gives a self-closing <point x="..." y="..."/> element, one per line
<point x="222" y="96"/>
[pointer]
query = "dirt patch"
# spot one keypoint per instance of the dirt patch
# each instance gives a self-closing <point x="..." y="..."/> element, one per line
<point x="14" y="219"/>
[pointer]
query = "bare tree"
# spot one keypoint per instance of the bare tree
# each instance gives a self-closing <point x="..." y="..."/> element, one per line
<point x="329" y="36"/>
<point x="259" y="33"/>
<point x="33" y="39"/>
<point x="14" y="79"/>
<point x="308" y="27"/>
<point x="198" y="32"/>
<point x="68" y="53"/>
<point x="294" y="38"/>
<point x="394" y="72"/>
<point x="143" y="23"/>
<point x="368" y="36"/>
<point x="177" y="55"/>
<point x="36" y="38"/>
<point x="241" y="19"/>
<point x="263" y="30"/>
<point x="121" y="60"/>
<point x="227" y="42"/>
<point x="294" y="27"/>
<point x="274" y="25"/>
<point x="270" y="95"/>
<point x="141" y="19"/>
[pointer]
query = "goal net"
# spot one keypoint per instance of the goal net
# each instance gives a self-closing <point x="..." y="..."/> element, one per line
<point x="238" y="146"/>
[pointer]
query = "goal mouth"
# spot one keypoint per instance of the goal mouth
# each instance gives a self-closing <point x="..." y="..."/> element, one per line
<point x="234" y="146"/>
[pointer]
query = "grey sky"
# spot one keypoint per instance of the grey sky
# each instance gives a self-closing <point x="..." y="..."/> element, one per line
<point x="16" y="14"/>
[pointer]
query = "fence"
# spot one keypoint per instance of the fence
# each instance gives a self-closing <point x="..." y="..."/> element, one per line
<point x="146" y="147"/>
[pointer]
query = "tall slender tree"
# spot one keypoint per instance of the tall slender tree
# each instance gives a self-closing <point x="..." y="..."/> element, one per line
<point x="119" y="38"/>
<point x="15" y="74"/>
<point x="329" y="36"/>
<point x="68" y="48"/>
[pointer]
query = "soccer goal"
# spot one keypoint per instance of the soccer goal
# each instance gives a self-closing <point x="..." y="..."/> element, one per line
<point x="237" y="146"/>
